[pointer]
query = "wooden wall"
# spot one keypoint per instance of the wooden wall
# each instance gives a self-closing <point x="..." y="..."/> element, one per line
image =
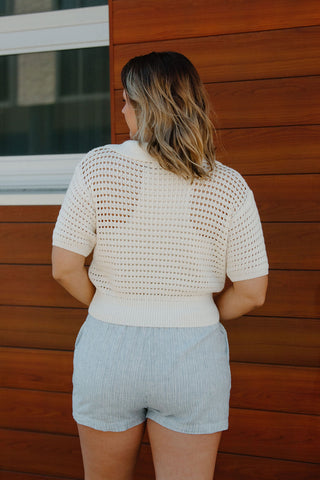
<point x="260" y="62"/>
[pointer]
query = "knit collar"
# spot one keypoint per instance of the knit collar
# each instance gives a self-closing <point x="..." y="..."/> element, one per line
<point x="131" y="148"/>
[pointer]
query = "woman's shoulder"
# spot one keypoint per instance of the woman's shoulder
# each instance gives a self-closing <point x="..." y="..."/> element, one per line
<point x="106" y="154"/>
<point x="101" y="152"/>
<point x="226" y="172"/>
<point x="100" y="158"/>
<point x="231" y="183"/>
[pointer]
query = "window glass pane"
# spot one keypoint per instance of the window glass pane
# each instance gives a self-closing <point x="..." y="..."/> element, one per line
<point x="4" y="8"/>
<point x="54" y="107"/>
<point x="80" y="3"/>
<point x="94" y="67"/>
<point x="16" y="7"/>
<point x="69" y="71"/>
<point x="4" y="79"/>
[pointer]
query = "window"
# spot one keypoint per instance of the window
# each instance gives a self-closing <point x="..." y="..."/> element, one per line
<point x="83" y="72"/>
<point x="54" y="102"/>
<point x="5" y="80"/>
<point x="79" y="3"/>
<point x="18" y="7"/>
<point x="54" y="96"/>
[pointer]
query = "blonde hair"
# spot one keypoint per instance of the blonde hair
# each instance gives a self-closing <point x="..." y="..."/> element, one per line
<point x="172" y="112"/>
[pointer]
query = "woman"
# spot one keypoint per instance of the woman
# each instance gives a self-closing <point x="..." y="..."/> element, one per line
<point x="166" y="223"/>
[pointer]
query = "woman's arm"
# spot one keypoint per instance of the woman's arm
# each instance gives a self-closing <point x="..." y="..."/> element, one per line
<point x="241" y="297"/>
<point x="68" y="269"/>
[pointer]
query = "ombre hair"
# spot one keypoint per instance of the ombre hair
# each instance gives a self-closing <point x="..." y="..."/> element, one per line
<point x="172" y="112"/>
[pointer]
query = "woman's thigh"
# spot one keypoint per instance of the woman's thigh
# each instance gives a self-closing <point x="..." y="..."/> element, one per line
<point x="110" y="455"/>
<point x="179" y="455"/>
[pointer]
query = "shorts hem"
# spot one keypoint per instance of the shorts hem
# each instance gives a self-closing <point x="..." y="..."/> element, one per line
<point x="196" y="430"/>
<point x="104" y="427"/>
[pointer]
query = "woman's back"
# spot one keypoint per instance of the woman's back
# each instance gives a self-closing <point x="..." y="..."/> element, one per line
<point x="156" y="236"/>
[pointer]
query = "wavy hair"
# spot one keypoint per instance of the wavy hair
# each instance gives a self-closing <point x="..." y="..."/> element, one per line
<point x="172" y="111"/>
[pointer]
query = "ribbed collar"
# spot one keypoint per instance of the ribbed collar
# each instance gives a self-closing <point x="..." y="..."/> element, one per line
<point x="131" y="148"/>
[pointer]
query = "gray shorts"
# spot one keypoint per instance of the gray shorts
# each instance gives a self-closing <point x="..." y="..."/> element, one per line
<point x="178" y="377"/>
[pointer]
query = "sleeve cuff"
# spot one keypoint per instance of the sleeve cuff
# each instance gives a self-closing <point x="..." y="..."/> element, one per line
<point x="84" y="250"/>
<point x="238" y="276"/>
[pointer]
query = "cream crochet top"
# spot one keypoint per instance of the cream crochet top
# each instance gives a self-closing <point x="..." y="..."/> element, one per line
<point x="160" y="245"/>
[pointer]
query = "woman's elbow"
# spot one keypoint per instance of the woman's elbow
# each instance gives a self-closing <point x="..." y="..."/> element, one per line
<point x="253" y="290"/>
<point x="65" y="263"/>
<point x="58" y="272"/>
<point x="260" y="299"/>
<point x="261" y="293"/>
<point x="255" y="300"/>
<point x="62" y="270"/>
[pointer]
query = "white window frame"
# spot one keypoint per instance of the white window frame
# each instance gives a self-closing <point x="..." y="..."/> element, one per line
<point x="43" y="179"/>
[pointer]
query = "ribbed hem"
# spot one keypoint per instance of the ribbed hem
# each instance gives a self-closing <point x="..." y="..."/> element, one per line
<point x="195" y="311"/>
<point x="71" y="246"/>
<point x="239" y="276"/>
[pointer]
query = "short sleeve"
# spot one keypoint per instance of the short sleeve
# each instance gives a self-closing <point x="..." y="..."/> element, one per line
<point x="246" y="252"/>
<point x="75" y="228"/>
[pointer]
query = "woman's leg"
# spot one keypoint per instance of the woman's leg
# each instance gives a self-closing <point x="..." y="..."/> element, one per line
<point x="182" y="455"/>
<point x="110" y="455"/>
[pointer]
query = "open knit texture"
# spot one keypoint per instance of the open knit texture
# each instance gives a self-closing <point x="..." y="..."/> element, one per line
<point x="161" y="245"/>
